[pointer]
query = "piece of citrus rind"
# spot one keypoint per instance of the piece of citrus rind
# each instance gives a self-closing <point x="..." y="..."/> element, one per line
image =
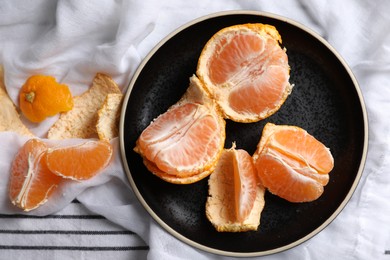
<point x="107" y="125"/>
<point x="80" y="122"/>
<point x="9" y="115"/>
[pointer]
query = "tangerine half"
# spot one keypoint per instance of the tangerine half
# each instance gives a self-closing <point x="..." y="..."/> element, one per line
<point x="186" y="140"/>
<point x="291" y="163"/>
<point x="246" y="71"/>
<point x="31" y="182"/>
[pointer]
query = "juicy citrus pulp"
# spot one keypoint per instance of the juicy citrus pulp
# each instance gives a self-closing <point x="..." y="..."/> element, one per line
<point x="174" y="142"/>
<point x="186" y="140"/>
<point x="81" y="161"/>
<point x="291" y="163"/>
<point x="37" y="170"/>
<point x="246" y="71"/>
<point x="245" y="183"/>
<point x="31" y="182"/>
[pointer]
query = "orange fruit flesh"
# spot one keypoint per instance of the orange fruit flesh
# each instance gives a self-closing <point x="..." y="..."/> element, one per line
<point x="183" y="141"/>
<point x="292" y="164"/>
<point x="259" y="94"/>
<point x="236" y="186"/>
<point x="245" y="184"/>
<point x="79" y="162"/>
<point x="232" y="56"/>
<point x="303" y="146"/>
<point x="31" y="182"/>
<point x="282" y="180"/>
<point x="246" y="71"/>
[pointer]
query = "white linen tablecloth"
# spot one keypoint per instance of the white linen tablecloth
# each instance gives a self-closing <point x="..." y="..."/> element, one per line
<point x="73" y="40"/>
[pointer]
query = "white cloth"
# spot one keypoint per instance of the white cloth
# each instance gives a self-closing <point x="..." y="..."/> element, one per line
<point x="72" y="40"/>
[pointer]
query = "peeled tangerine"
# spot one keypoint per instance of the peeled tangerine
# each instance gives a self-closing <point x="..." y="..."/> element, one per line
<point x="236" y="199"/>
<point x="37" y="170"/>
<point x="246" y="71"/>
<point x="31" y="181"/>
<point x="183" y="144"/>
<point x="81" y="161"/>
<point x="291" y="163"/>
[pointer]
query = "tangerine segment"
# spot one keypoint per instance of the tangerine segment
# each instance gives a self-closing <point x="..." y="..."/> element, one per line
<point x="42" y="96"/>
<point x="266" y="94"/>
<point x="303" y="146"/>
<point x="185" y="140"/>
<point x="31" y="182"/>
<point x="282" y="180"/>
<point x="246" y="71"/>
<point x="298" y="144"/>
<point x="81" y="161"/>
<point x="187" y="179"/>
<point x="232" y="55"/>
<point x="302" y="167"/>
<point x="234" y="190"/>
<point x="245" y="183"/>
<point x="291" y="163"/>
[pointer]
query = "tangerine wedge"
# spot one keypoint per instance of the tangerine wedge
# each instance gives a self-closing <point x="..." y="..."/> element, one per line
<point x="292" y="164"/>
<point x="246" y="71"/>
<point x="81" y="161"/>
<point x="236" y="199"/>
<point x="31" y="182"/>
<point x="245" y="183"/>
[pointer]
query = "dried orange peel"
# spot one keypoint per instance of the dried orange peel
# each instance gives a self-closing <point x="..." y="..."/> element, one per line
<point x="9" y="115"/>
<point x="42" y="96"/>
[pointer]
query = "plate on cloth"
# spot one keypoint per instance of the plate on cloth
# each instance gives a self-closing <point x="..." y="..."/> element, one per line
<point x="326" y="101"/>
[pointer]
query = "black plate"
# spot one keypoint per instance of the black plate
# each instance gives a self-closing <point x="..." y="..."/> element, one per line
<point x="326" y="101"/>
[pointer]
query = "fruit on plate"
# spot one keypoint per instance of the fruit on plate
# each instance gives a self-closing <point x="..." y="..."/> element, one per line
<point x="246" y="71"/>
<point x="236" y="198"/>
<point x="183" y="144"/>
<point x="291" y="163"/>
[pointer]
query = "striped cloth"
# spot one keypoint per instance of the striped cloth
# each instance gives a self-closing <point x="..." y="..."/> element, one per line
<point x="72" y="233"/>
